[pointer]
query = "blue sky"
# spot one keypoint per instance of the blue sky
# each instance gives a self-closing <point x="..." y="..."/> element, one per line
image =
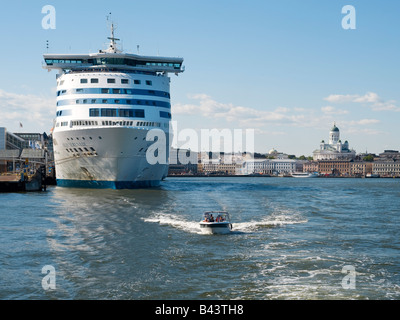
<point x="286" y="69"/>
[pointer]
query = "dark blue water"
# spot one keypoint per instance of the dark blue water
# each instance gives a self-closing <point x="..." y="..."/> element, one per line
<point x="291" y="240"/>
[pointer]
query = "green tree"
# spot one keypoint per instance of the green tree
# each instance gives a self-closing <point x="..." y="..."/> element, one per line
<point x="369" y="158"/>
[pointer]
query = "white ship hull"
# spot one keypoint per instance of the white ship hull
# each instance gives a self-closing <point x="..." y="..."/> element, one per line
<point x="112" y="157"/>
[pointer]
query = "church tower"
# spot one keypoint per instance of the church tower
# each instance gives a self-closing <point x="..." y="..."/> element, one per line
<point x="334" y="135"/>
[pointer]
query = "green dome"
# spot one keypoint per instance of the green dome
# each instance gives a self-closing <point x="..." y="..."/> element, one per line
<point x="335" y="129"/>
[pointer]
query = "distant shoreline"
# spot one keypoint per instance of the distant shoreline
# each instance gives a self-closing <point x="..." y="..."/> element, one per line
<point x="267" y="176"/>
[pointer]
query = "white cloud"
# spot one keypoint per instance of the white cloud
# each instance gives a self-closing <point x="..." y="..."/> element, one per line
<point x="36" y="113"/>
<point x="329" y="110"/>
<point x="245" y="116"/>
<point x="365" y="122"/>
<point x="370" y="98"/>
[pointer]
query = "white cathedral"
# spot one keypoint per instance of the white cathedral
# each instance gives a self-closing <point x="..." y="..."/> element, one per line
<point x="335" y="149"/>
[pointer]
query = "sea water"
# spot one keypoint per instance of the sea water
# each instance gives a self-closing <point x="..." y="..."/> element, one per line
<point x="320" y="238"/>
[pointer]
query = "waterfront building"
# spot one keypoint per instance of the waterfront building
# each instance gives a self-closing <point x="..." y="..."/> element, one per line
<point x="360" y="168"/>
<point x="311" y="166"/>
<point x="23" y="151"/>
<point x="182" y="161"/>
<point x="335" y="167"/>
<point x="386" y="167"/>
<point x="217" y="166"/>
<point x="334" y="149"/>
<point x="283" y="166"/>
<point x="277" y="155"/>
<point x="256" y="166"/>
<point x="390" y="154"/>
<point x="269" y="166"/>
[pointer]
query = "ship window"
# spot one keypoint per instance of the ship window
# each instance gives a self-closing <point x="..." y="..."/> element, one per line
<point x="139" y="113"/>
<point x="117" y="101"/>
<point x="93" y="101"/>
<point x="104" y="90"/>
<point x="77" y="101"/>
<point x="124" y="81"/>
<point x="136" y="81"/>
<point x="104" y="100"/>
<point x="84" y="101"/>
<point x="149" y="83"/>
<point x="116" y="91"/>
<point x="84" y="81"/>
<point x="110" y="80"/>
<point x="94" y="112"/>
<point x="164" y="114"/>
<point x="94" y="80"/>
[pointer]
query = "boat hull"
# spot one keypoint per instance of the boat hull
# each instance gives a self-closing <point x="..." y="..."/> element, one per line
<point x="304" y="175"/>
<point x="106" y="158"/>
<point x="215" y="227"/>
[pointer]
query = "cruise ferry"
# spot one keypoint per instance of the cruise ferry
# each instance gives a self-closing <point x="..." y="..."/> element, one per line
<point x="107" y="103"/>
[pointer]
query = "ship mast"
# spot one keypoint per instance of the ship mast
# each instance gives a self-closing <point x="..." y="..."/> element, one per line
<point x="112" y="47"/>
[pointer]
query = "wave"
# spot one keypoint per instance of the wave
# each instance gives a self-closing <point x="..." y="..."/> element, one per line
<point x="175" y="221"/>
<point x="239" y="227"/>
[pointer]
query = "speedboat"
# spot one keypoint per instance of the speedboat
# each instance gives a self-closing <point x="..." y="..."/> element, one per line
<point x="216" y="222"/>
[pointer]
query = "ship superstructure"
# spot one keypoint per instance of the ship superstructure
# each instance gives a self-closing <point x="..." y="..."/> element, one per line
<point x="106" y="104"/>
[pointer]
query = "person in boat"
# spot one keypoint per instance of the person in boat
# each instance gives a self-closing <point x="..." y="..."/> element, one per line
<point x="211" y="218"/>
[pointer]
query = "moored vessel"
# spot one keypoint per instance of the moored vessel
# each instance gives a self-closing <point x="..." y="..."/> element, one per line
<point x="304" y="175"/>
<point x="107" y="103"/>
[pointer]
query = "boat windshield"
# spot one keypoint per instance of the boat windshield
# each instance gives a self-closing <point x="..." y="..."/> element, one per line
<point x="216" y="216"/>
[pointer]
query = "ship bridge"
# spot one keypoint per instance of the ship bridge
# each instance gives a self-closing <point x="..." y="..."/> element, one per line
<point x="113" y="61"/>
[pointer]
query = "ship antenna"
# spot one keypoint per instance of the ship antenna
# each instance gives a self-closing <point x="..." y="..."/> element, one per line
<point x="112" y="46"/>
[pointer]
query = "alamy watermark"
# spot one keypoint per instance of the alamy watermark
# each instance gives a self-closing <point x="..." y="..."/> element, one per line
<point x="349" y="280"/>
<point x="49" y="20"/>
<point x="49" y="280"/>
<point x="218" y="141"/>
<point x="349" y="20"/>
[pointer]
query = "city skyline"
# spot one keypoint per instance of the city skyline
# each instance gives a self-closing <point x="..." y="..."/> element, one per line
<point x="288" y="70"/>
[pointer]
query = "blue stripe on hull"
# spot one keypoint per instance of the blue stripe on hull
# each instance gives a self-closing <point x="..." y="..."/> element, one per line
<point x="107" y="184"/>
